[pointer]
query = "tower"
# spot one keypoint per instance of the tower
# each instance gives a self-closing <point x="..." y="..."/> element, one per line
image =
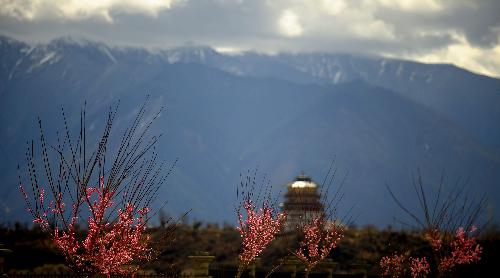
<point x="302" y="202"/>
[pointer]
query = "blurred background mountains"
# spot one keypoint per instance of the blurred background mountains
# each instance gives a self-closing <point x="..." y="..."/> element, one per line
<point x="378" y="118"/>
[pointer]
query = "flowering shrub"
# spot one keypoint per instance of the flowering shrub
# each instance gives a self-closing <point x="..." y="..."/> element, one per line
<point x="433" y="236"/>
<point x="419" y="267"/>
<point x="397" y="266"/>
<point x="393" y="265"/>
<point x="461" y="250"/>
<point x="258" y="230"/>
<point x="115" y="210"/>
<point x="443" y="215"/>
<point x="109" y="248"/>
<point x="318" y="242"/>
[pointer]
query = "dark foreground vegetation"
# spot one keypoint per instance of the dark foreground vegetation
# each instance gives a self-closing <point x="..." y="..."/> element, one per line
<point x="33" y="250"/>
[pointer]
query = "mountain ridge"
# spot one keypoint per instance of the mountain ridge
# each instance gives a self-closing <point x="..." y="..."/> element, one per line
<point x="221" y="123"/>
<point x="444" y="87"/>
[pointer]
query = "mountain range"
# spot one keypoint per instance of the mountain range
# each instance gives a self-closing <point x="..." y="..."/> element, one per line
<point x="380" y="119"/>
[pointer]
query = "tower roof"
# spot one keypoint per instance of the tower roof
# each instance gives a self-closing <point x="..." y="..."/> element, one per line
<point x="302" y="181"/>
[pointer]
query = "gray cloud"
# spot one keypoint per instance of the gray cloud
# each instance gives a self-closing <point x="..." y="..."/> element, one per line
<point x="481" y="24"/>
<point x="424" y="30"/>
<point x="477" y="20"/>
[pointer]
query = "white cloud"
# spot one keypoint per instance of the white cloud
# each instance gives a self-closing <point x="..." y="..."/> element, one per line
<point x="334" y="7"/>
<point x="229" y="50"/>
<point x="375" y="29"/>
<point x="289" y="24"/>
<point x="481" y="60"/>
<point x="332" y="18"/>
<point x="412" y="5"/>
<point x="80" y="10"/>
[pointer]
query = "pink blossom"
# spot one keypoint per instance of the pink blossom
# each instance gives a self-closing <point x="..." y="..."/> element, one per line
<point x="464" y="250"/>
<point x="317" y="242"/>
<point x="58" y="207"/>
<point x="40" y="216"/>
<point x="42" y="221"/>
<point x="434" y="238"/>
<point x="41" y="196"/>
<point x="461" y="250"/>
<point x="257" y="230"/>
<point x="108" y="248"/>
<point x="397" y="265"/>
<point x="393" y="265"/>
<point x="419" y="267"/>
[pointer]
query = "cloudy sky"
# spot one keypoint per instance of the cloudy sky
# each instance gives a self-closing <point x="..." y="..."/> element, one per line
<point x="462" y="32"/>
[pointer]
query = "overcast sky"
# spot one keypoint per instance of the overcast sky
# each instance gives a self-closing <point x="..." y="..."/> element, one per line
<point x="462" y="32"/>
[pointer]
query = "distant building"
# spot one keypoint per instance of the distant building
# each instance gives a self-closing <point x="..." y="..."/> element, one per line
<point x="302" y="202"/>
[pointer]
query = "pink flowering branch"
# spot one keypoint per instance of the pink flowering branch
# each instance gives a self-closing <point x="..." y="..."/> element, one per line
<point x="257" y="230"/>
<point x="461" y="250"/>
<point x="419" y="267"/>
<point x="434" y="237"/>
<point x="444" y="218"/>
<point x="393" y="265"/>
<point x="397" y="265"/>
<point x="257" y="226"/>
<point x="319" y="240"/>
<point x="115" y="210"/>
<point x="108" y="248"/>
